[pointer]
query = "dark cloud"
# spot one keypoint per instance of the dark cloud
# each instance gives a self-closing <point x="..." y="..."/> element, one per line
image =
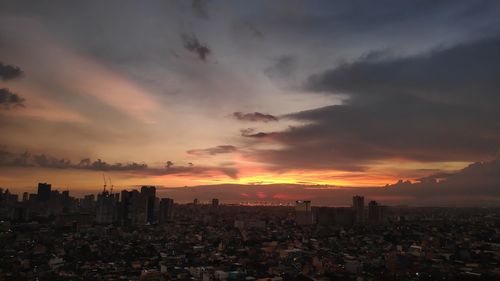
<point x="477" y="183"/>
<point x="452" y="75"/>
<point x="250" y="133"/>
<point x="26" y="159"/>
<point x="8" y="72"/>
<point x="220" y="149"/>
<point x="10" y="100"/>
<point x="255" y="117"/>
<point x="440" y="106"/>
<point x="192" y="44"/>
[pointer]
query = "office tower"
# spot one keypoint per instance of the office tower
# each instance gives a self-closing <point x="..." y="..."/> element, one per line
<point x="149" y="192"/>
<point x="376" y="212"/>
<point x="138" y="208"/>
<point x="166" y="210"/>
<point x="106" y="210"/>
<point x="44" y="191"/>
<point x="303" y="213"/>
<point x="358" y="204"/>
<point x="215" y="202"/>
<point x="25" y="196"/>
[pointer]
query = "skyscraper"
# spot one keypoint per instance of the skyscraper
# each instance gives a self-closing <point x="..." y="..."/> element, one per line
<point x="150" y="193"/>
<point x="44" y="191"/>
<point x="358" y="204"/>
<point x="166" y="208"/>
<point x="106" y="211"/>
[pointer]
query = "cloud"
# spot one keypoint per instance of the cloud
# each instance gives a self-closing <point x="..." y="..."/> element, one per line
<point x="250" y="133"/>
<point x="220" y="149"/>
<point x="192" y="44"/>
<point x="449" y="75"/>
<point x="26" y="159"/>
<point x="8" y="72"/>
<point x="434" y="107"/>
<point x="255" y="117"/>
<point x="9" y="99"/>
<point x="475" y="183"/>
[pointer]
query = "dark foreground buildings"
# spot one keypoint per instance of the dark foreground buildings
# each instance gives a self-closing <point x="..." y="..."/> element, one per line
<point x="114" y="236"/>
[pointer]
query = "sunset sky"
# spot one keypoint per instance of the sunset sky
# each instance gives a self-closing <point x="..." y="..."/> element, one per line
<point x="188" y="93"/>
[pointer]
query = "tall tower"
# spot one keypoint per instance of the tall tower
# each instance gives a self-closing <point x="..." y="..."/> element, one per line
<point x="44" y="190"/>
<point x="166" y="208"/>
<point x="358" y="204"/>
<point x="150" y="193"/>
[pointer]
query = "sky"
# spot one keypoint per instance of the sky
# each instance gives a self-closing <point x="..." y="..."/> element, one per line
<point x="254" y="99"/>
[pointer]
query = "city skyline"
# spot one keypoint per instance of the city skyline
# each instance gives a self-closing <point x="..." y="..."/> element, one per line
<point x="272" y="102"/>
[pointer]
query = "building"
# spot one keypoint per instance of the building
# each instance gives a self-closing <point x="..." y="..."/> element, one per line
<point x="149" y="192"/>
<point x="44" y="191"/>
<point x="195" y="201"/>
<point x="106" y="209"/>
<point x="166" y="210"/>
<point x="215" y="202"/>
<point x="376" y="212"/>
<point x="303" y="213"/>
<point x="358" y="204"/>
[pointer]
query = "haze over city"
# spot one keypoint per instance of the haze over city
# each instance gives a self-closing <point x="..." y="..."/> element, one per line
<point x="254" y="101"/>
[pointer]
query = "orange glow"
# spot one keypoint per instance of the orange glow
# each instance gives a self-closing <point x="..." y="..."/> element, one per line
<point x="321" y="177"/>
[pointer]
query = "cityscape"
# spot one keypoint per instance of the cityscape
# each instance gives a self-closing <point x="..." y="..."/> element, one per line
<point x="249" y="140"/>
<point x="134" y="235"/>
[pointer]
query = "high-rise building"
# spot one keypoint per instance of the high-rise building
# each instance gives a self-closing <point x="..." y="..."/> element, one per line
<point x="358" y="204"/>
<point x="195" y="201"/>
<point x="44" y="191"/>
<point x="138" y="208"/>
<point x="215" y="202"/>
<point x="149" y="192"/>
<point x="376" y="212"/>
<point x="25" y="196"/>
<point x="303" y="213"/>
<point x="166" y="210"/>
<point x="106" y="209"/>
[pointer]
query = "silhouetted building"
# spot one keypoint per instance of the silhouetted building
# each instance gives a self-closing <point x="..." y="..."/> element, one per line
<point x="25" y="196"/>
<point x="150" y="193"/>
<point x="195" y="201"/>
<point x="376" y="212"/>
<point x="303" y="213"/>
<point x="44" y="191"/>
<point x="106" y="210"/>
<point x="215" y="202"/>
<point x="358" y="204"/>
<point x="166" y="210"/>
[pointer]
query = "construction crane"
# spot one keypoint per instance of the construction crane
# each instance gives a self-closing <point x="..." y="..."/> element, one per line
<point x="110" y="183"/>
<point x="104" y="178"/>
